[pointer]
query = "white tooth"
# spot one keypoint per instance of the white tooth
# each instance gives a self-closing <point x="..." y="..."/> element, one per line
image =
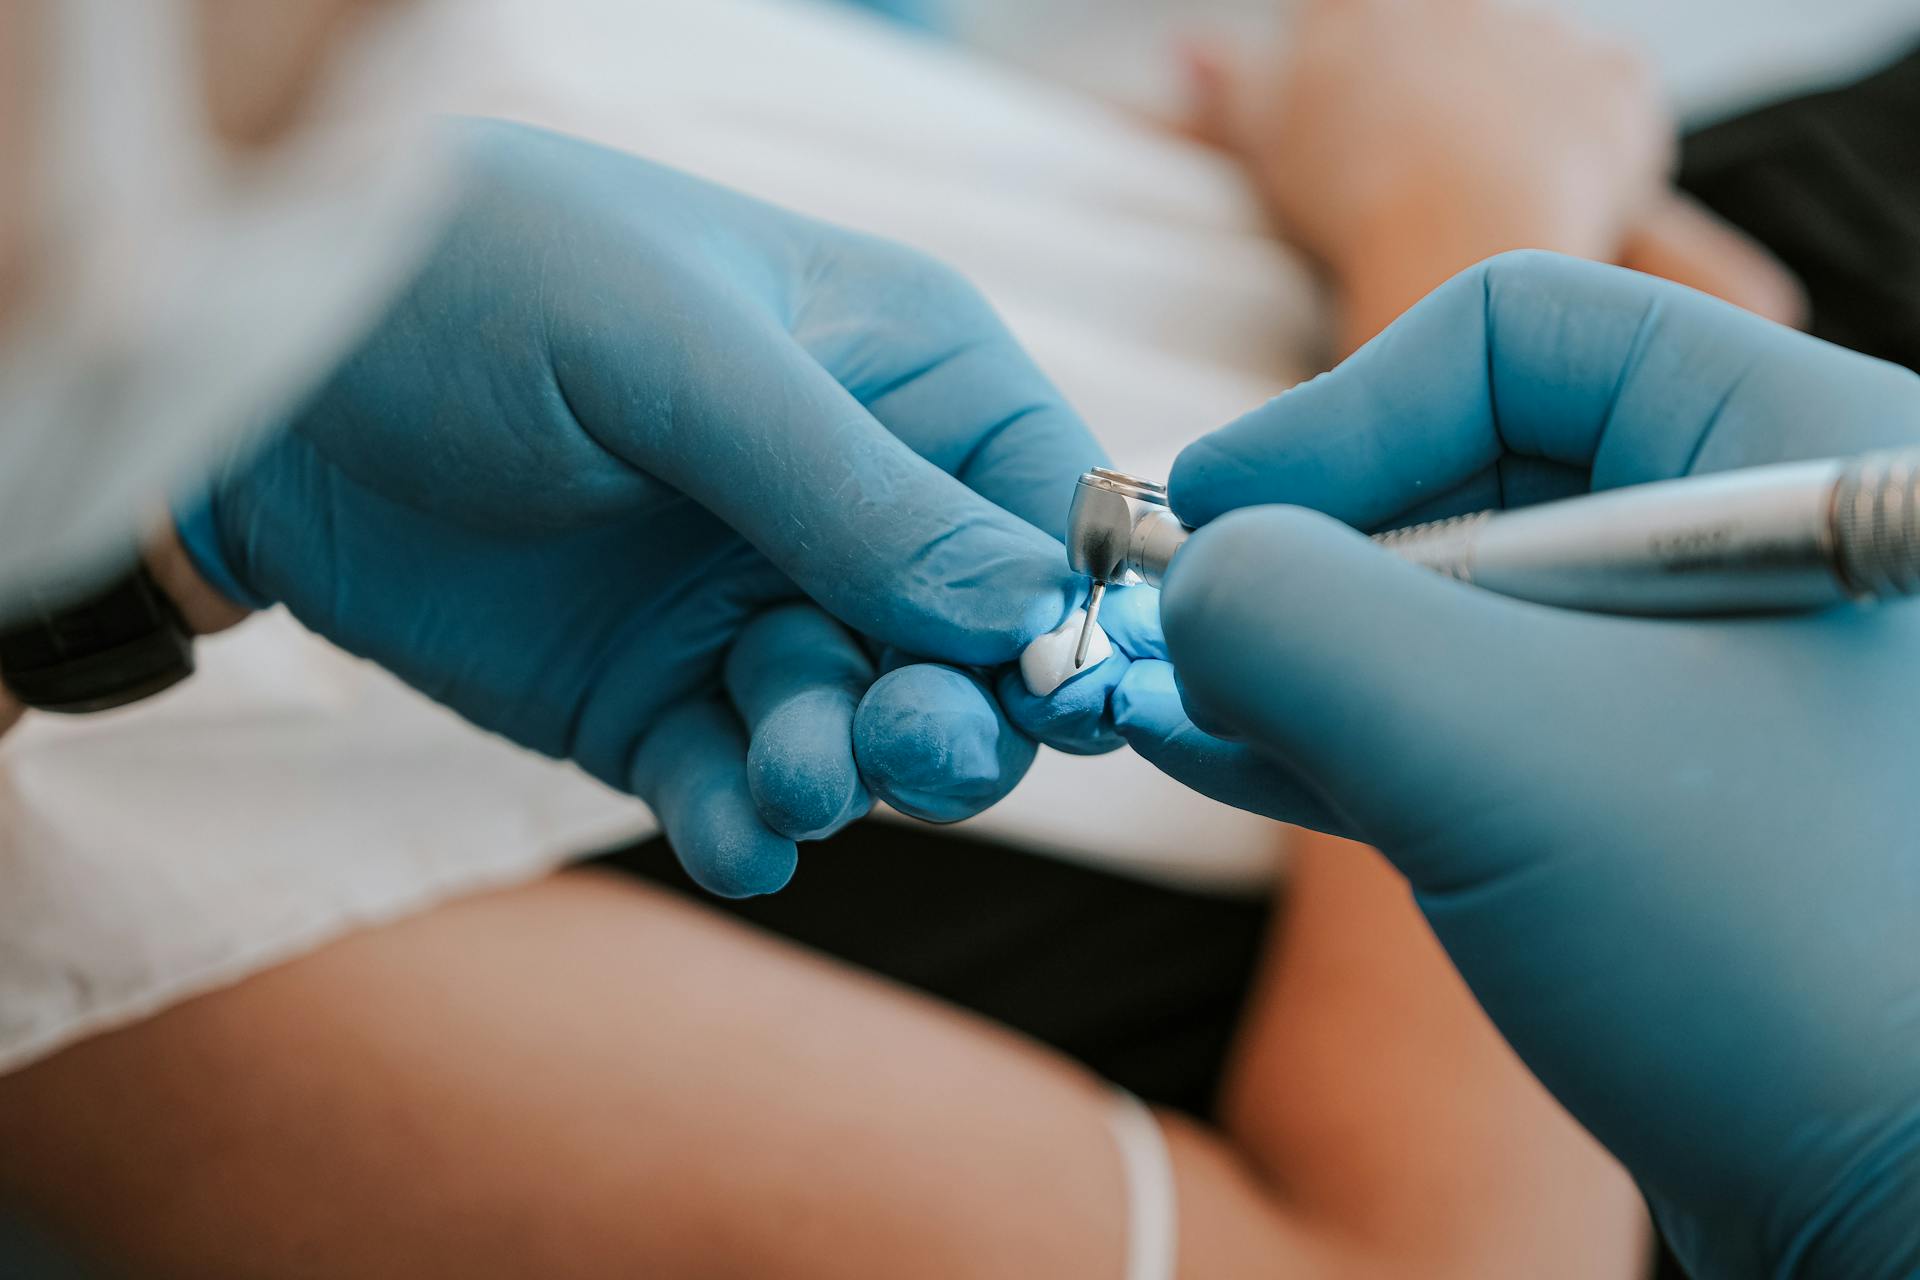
<point x="1047" y="663"/>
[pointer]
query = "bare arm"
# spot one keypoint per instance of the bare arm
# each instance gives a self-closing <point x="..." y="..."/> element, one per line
<point x="1380" y="1103"/>
<point x="1402" y="141"/>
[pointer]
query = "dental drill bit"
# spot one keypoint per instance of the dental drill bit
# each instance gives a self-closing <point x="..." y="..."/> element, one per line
<point x="1086" y="623"/>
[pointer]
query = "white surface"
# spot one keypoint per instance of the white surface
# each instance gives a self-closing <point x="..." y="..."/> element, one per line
<point x="284" y="795"/>
<point x="1712" y="55"/>
<point x="288" y="793"/>
<point x="1718" y="55"/>
<point x="1048" y="663"/>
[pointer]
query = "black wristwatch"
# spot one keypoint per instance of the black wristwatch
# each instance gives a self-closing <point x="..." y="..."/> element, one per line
<point x="104" y="650"/>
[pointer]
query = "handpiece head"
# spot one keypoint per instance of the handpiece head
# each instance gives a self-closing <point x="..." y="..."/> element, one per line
<point x="1120" y="530"/>
<point x="1106" y="506"/>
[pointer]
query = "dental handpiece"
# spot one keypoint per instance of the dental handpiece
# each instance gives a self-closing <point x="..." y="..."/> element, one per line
<point x="1784" y="538"/>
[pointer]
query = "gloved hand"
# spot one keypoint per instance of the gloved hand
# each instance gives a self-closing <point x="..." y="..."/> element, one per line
<point x="935" y="741"/>
<point x="1676" y="860"/>
<point x="619" y="414"/>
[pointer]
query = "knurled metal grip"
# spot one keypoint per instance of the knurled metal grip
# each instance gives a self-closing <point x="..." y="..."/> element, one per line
<point x="1444" y="546"/>
<point x="1876" y="524"/>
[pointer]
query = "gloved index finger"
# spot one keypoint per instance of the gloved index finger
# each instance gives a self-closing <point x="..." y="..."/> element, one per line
<point x="952" y="382"/>
<point x="1527" y="357"/>
<point x="768" y="441"/>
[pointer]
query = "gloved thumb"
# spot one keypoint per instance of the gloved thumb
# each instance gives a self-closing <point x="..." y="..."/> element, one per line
<point x="1390" y="691"/>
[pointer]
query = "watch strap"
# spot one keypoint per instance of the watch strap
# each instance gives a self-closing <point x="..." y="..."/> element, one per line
<point x="117" y="645"/>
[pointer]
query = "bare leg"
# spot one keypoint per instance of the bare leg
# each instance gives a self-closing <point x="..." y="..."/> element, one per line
<point x="585" y="1078"/>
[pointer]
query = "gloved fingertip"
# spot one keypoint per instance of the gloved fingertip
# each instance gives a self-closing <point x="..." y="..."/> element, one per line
<point x="691" y="768"/>
<point x="1146" y="702"/>
<point x="1214" y="721"/>
<point x="745" y="872"/>
<point x="975" y="595"/>
<point x="926" y="725"/>
<point x="1073" y="718"/>
<point x="1208" y="479"/>
<point x="1207" y="588"/>
<point x="801" y="809"/>
<point x="1131" y="618"/>
<point x="1150" y="701"/>
<point x="801" y="769"/>
<point x="1002" y="610"/>
<point x="1148" y="710"/>
<point x="931" y="741"/>
<point x="734" y="859"/>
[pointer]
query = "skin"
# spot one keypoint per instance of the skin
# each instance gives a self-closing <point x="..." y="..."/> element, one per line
<point x="588" y="1077"/>
<point x="1370" y="1092"/>
<point x="264" y="65"/>
<point x="20" y="22"/>
<point x="1398" y="142"/>
<point x="268" y="61"/>
<point x="1681" y="240"/>
<point x="204" y="610"/>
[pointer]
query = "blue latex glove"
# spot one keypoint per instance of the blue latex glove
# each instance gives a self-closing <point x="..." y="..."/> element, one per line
<point x="618" y="415"/>
<point x="1676" y="860"/>
<point x="943" y="744"/>
<point x="936" y="741"/>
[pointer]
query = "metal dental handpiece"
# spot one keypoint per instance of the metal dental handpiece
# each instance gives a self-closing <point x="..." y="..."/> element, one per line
<point x="1784" y="538"/>
<point x="1113" y="518"/>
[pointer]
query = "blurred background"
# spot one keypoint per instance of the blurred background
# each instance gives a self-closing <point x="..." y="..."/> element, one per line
<point x="1714" y="56"/>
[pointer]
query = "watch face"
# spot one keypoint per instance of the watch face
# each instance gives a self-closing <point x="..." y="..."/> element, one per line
<point x="119" y="645"/>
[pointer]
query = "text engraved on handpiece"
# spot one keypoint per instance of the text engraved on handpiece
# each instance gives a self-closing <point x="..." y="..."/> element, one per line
<point x="1695" y="547"/>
